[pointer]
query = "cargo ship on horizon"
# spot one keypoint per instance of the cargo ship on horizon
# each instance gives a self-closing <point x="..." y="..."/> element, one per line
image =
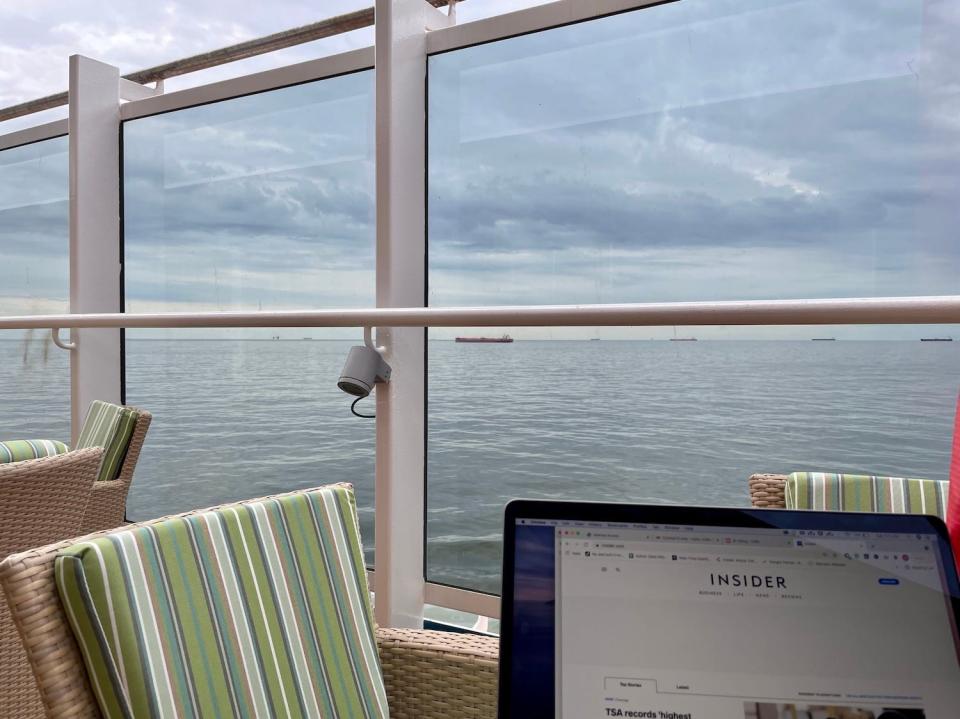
<point x="487" y="340"/>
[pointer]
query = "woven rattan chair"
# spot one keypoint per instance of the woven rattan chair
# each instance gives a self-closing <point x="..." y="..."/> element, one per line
<point x="767" y="490"/>
<point x="428" y="674"/>
<point x="103" y="427"/>
<point x="108" y="503"/>
<point x="41" y="500"/>
<point x="850" y="492"/>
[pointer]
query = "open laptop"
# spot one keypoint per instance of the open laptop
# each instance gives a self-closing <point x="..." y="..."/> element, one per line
<point x="666" y="612"/>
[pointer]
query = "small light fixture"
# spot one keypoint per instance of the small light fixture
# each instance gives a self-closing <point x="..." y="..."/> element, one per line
<point x="364" y="367"/>
<point x="362" y="370"/>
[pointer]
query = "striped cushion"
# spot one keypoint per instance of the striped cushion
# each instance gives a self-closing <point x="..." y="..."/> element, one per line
<point x="20" y="449"/>
<point x="862" y="493"/>
<point x="259" y="609"/>
<point x="109" y="426"/>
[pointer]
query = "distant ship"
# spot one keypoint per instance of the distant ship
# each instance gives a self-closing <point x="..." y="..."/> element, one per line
<point x="824" y="339"/>
<point x="497" y="340"/>
<point x="936" y="339"/>
<point x="681" y="339"/>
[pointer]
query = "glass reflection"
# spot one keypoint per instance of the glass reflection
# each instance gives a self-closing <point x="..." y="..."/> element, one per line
<point x="691" y="151"/>
<point x="263" y="202"/>
<point x="34" y="279"/>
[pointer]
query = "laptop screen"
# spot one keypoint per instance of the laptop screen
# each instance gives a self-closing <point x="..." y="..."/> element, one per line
<point x="687" y="620"/>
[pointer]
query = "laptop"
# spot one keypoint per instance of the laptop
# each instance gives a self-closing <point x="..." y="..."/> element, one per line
<point x="665" y="612"/>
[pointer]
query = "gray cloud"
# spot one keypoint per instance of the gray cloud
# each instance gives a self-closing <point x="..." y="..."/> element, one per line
<point x="698" y="151"/>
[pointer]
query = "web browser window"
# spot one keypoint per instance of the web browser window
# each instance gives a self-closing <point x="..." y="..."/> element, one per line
<point x="673" y="622"/>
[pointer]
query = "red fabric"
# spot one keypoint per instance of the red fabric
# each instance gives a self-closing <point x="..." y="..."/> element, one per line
<point x="953" y="499"/>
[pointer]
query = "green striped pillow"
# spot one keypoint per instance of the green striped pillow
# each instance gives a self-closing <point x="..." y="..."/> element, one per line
<point x="259" y="609"/>
<point x="18" y="450"/>
<point x="863" y="493"/>
<point x="109" y="426"/>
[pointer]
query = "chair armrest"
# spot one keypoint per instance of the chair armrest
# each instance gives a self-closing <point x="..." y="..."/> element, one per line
<point x="19" y="450"/>
<point x="767" y="490"/>
<point x="434" y="675"/>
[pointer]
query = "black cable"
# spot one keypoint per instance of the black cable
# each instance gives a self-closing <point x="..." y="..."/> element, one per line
<point x="365" y="416"/>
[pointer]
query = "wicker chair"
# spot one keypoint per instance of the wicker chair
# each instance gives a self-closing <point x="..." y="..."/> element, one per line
<point x="107" y="507"/>
<point x="850" y="492"/>
<point x="768" y="490"/>
<point x="108" y="503"/>
<point x="428" y="674"/>
<point x="41" y="500"/>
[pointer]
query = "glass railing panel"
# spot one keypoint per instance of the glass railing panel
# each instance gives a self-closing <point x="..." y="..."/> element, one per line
<point x="446" y="618"/>
<point x="34" y="279"/>
<point x="690" y="151"/>
<point x="263" y="202"/>
<point x="658" y="421"/>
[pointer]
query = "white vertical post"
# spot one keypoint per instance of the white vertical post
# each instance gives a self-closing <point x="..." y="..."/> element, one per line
<point x="401" y="236"/>
<point x="94" y="230"/>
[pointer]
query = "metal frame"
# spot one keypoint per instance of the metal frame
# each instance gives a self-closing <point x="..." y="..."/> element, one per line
<point x="528" y="20"/>
<point x="401" y="213"/>
<point x="464" y="600"/>
<point x="407" y="33"/>
<point x="30" y="135"/>
<point x="327" y="27"/>
<point x="941" y="309"/>
<point x="94" y="129"/>
<point x="320" y="69"/>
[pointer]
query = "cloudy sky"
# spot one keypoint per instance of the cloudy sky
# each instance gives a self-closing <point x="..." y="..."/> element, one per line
<point x="37" y="37"/>
<point x="698" y="150"/>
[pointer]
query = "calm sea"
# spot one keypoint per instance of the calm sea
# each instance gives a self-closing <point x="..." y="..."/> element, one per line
<point x="635" y="420"/>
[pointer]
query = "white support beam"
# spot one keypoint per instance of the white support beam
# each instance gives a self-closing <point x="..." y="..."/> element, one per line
<point x="130" y="90"/>
<point x="94" y="230"/>
<point x="400" y="61"/>
<point x="436" y="19"/>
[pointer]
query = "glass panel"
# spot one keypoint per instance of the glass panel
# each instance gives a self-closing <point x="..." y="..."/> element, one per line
<point x="34" y="280"/>
<point x="690" y="151"/>
<point x="259" y="203"/>
<point x="469" y="621"/>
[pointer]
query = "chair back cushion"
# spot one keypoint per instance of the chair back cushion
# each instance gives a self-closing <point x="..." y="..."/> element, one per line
<point x="18" y="450"/>
<point x="258" y="609"/>
<point x="109" y="426"/>
<point x="864" y="493"/>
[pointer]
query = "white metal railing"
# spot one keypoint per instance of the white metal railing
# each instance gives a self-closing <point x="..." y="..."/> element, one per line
<point x="312" y="32"/>
<point x="873" y="310"/>
<point x="407" y="33"/>
<point x="870" y="310"/>
<point x="941" y="309"/>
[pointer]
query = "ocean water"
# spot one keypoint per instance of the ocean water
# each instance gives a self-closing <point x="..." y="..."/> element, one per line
<point x="680" y="422"/>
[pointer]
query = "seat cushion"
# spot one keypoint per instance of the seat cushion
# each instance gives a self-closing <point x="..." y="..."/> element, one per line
<point x="109" y="426"/>
<point x="18" y="450"/>
<point x="258" y="609"/>
<point x="864" y="493"/>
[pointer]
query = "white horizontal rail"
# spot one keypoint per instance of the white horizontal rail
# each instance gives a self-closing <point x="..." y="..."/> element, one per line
<point x="308" y="71"/>
<point x="532" y="19"/>
<point x="29" y="135"/>
<point x="860" y="310"/>
<point x="463" y="600"/>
